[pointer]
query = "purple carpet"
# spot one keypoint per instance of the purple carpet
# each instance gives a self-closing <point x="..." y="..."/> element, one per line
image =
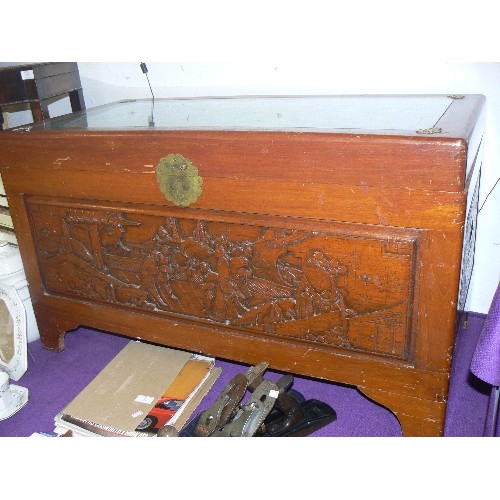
<point x="54" y="379"/>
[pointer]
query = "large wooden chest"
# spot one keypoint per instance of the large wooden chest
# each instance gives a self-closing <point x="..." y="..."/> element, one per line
<point x="324" y="235"/>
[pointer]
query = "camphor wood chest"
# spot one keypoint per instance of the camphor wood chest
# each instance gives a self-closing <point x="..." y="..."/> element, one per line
<point x="324" y="235"/>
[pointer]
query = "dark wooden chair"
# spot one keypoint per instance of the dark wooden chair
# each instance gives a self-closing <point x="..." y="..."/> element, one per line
<point x="37" y="85"/>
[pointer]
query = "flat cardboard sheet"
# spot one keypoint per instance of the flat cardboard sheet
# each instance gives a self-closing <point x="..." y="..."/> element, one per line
<point x="128" y="387"/>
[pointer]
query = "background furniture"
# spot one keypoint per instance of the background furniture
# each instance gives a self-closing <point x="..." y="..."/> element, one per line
<point x="39" y="84"/>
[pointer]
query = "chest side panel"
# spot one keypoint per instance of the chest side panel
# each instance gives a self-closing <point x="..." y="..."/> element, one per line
<point x="469" y="244"/>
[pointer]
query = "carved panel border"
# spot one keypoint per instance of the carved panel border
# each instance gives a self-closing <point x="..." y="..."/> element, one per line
<point x="331" y="284"/>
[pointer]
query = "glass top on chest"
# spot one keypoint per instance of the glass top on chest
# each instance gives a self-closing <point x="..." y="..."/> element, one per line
<point x="268" y="113"/>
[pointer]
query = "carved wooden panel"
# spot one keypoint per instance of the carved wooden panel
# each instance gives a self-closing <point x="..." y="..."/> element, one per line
<point x="332" y="284"/>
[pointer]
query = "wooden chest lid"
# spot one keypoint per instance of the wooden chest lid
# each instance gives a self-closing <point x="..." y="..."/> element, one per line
<point x="422" y="141"/>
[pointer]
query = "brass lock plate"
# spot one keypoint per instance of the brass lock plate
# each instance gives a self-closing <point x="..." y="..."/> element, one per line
<point x="178" y="180"/>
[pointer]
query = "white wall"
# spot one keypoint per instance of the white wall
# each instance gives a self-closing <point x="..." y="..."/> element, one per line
<point x="107" y="81"/>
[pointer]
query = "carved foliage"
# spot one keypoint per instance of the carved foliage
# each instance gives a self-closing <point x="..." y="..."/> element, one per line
<point x="338" y="285"/>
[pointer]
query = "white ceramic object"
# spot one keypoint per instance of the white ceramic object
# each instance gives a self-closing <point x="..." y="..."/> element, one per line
<point x="12" y="397"/>
<point x="12" y="274"/>
<point x="13" y="345"/>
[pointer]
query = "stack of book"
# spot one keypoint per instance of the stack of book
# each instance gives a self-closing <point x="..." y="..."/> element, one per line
<point x="143" y="388"/>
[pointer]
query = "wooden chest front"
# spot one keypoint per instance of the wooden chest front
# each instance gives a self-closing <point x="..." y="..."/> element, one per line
<point x="320" y="234"/>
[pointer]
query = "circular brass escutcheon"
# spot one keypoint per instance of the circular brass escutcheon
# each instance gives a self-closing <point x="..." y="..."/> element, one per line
<point x="178" y="180"/>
